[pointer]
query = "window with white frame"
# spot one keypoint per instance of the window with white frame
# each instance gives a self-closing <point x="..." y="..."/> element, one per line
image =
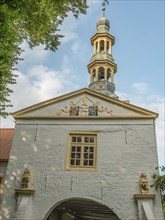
<point x="82" y="151"/>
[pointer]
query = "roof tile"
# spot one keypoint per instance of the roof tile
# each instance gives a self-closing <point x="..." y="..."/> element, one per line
<point x="6" y="138"/>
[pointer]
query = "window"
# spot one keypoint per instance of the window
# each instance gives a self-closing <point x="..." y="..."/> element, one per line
<point x="102" y="46"/>
<point x="82" y="151"/>
<point x="101" y="73"/>
<point x="96" y="47"/>
<point x="107" y="47"/>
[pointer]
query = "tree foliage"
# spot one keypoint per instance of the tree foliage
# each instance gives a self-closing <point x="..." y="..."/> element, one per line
<point x="159" y="183"/>
<point x="35" y="21"/>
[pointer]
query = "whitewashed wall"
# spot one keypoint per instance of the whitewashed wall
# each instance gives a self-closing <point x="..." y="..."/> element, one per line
<point x="126" y="148"/>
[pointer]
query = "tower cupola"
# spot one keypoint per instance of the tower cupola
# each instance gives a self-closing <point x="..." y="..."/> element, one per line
<point x="103" y="25"/>
<point x="102" y="66"/>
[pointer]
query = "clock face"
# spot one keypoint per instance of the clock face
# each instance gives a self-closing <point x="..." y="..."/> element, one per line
<point x="110" y="88"/>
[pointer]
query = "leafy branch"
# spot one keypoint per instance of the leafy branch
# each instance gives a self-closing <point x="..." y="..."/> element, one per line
<point x="159" y="183"/>
<point x="34" y="21"/>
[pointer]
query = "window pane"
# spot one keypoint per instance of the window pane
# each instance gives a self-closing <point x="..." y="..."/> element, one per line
<point x="77" y="162"/>
<point x="86" y="139"/>
<point x="92" y="139"/>
<point x="72" y="162"/>
<point x="73" y="139"/>
<point x="73" y="148"/>
<point x="73" y="155"/>
<point x="85" y="163"/>
<point x="86" y="149"/>
<point x="91" y="156"/>
<point x="86" y="155"/>
<point x="78" y="155"/>
<point x="78" y="149"/>
<point x="90" y="162"/>
<point x="91" y="149"/>
<point x="78" y="139"/>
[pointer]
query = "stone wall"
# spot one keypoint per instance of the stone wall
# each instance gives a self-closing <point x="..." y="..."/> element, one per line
<point x="126" y="148"/>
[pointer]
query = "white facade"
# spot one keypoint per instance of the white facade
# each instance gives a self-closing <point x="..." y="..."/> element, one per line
<point x="126" y="147"/>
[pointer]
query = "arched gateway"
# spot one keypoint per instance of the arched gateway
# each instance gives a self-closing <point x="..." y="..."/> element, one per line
<point x="80" y="209"/>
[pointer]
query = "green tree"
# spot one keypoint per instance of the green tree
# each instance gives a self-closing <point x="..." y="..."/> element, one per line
<point x="34" y="21"/>
<point x="159" y="183"/>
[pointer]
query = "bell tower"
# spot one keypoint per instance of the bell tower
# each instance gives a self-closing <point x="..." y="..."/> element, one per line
<point x="102" y="66"/>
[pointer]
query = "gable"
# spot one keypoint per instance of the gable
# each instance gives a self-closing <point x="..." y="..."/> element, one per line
<point x="84" y="103"/>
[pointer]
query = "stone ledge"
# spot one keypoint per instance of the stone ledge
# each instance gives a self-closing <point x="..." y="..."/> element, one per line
<point x="144" y="196"/>
<point x="25" y="191"/>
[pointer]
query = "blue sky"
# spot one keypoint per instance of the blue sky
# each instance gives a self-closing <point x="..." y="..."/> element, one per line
<point x="138" y="27"/>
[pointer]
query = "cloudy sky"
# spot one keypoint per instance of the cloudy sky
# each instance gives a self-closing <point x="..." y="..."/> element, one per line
<point x="138" y="27"/>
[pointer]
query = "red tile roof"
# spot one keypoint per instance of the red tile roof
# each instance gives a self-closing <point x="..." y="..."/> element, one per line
<point x="6" y="138"/>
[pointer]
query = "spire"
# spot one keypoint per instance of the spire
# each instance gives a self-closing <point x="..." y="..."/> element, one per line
<point x="102" y="66"/>
<point x="103" y="6"/>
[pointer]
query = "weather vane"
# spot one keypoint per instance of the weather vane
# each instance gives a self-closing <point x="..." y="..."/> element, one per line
<point x="103" y="6"/>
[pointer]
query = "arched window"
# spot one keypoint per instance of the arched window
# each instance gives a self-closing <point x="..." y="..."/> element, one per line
<point x="94" y="75"/>
<point x="96" y="47"/>
<point x="107" y="49"/>
<point x="108" y="74"/>
<point x="102" y="46"/>
<point x="101" y="73"/>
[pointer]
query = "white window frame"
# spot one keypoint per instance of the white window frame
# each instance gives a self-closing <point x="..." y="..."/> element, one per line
<point x="86" y="157"/>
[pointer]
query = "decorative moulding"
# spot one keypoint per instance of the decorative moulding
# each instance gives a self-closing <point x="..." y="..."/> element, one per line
<point x="144" y="196"/>
<point x="85" y="106"/>
<point x="142" y="113"/>
<point x="25" y="191"/>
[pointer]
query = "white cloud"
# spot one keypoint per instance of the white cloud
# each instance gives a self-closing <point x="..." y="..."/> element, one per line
<point x="38" y="84"/>
<point x="68" y="29"/>
<point x="80" y="52"/>
<point x="76" y="48"/>
<point x="141" y="87"/>
<point x="68" y="36"/>
<point x="33" y="56"/>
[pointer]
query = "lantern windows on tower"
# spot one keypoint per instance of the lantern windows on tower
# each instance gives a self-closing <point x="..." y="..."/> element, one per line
<point x="102" y="46"/>
<point x="94" y="75"/>
<point x="96" y="47"/>
<point x="101" y="73"/>
<point x="107" y="47"/>
<point x="108" y="74"/>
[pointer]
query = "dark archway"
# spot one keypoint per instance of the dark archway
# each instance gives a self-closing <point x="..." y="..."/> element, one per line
<point x="101" y="74"/>
<point x="81" y="209"/>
